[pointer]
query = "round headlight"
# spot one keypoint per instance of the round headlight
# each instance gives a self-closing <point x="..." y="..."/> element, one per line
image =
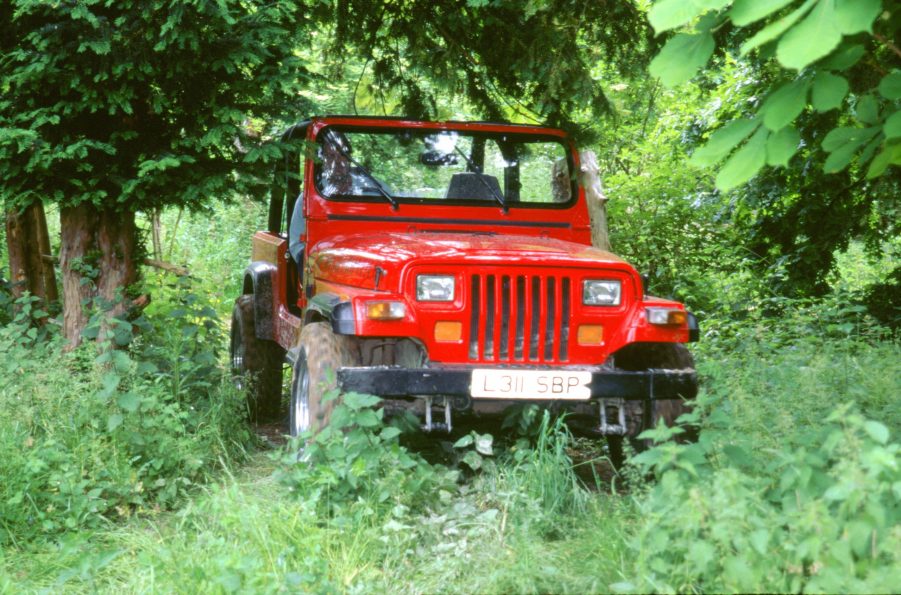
<point x="601" y="292"/>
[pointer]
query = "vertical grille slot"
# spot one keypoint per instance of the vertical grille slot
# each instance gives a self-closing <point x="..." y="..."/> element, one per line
<point x="550" y="317"/>
<point x="504" y="326"/>
<point x="520" y="340"/>
<point x="564" y="319"/>
<point x="475" y="305"/>
<point x="490" y="304"/>
<point x="535" y="323"/>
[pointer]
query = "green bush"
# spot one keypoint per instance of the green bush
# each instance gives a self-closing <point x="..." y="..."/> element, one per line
<point x="823" y="517"/>
<point x="356" y="465"/>
<point x="85" y="438"/>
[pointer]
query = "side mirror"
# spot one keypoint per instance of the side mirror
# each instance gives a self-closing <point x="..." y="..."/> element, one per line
<point x="435" y="158"/>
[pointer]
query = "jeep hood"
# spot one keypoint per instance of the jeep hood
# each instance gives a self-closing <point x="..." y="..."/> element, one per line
<point x="353" y="259"/>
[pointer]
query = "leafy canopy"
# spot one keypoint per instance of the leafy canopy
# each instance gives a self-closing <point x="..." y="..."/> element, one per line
<point x="130" y="105"/>
<point x="824" y="52"/>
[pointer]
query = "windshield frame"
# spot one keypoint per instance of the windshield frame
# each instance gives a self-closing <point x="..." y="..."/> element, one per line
<point x="437" y="202"/>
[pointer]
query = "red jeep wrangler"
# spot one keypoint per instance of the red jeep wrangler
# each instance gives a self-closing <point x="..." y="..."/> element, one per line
<point x="447" y="267"/>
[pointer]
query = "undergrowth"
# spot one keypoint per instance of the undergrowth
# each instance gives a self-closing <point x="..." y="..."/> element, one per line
<point x="113" y="428"/>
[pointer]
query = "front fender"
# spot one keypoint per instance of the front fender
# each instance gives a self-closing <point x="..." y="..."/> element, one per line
<point x="259" y="279"/>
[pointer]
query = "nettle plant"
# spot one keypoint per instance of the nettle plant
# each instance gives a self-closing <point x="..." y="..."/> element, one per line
<point x="831" y="57"/>
<point x="822" y="517"/>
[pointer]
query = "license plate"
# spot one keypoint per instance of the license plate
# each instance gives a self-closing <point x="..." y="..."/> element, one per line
<point x="530" y="384"/>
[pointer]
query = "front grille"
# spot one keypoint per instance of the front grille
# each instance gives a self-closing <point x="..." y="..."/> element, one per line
<point x="519" y="318"/>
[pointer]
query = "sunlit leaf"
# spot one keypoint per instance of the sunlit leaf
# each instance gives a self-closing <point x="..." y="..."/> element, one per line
<point x="681" y="58"/>
<point x="785" y="104"/>
<point x="776" y="28"/>
<point x="723" y="141"/>
<point x="892" y="126"/>
<point x="829" y="91"/>
<point x="745" y="12"/>
<point x="855" y="16"/>
<point x="890" y="85"/>
<point x="745" y="163"/>
<point x="811" y="39"/>
<point x="782" y="145"/>
<point x="876" y="431"/>
<point x="669" y="14"/>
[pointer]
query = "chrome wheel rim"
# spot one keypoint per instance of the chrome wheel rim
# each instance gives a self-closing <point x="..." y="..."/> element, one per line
<point x="300" y="398"/>
<point x="237" y="357"/>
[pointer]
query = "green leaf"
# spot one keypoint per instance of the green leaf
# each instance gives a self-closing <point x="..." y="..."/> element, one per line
<point x="681" y="57"/>
<point x="841" y="157"/>
<point x="892" y="127"/>
<point x="879" y="163"/>
<point x="367" y="418"/>
<point x="473" y="460"/>
<point x="867" y="110"/>
<point x="669" y="14"/>
<point x="785" y="104"/>
<point x="121" y="361"/>
<point x="876" y="431"/>
<point x="811" y="39"/>
<point x="114" y="421"/>
<point x="855" y="16"/>
<point x="721" y="142"/>
<point x="782" y="145"/>
<point x="829" y="91"/>
<point x="845" y="134"/>
<point x="464" y="441"/>
<point x="745" y="163"/>
<point x="776" y="28"/>
<point x="389" y="433"/>
<point x="484" y="444"/>
<point x="129" y="401"/>
<point x="357" y="401"/>
<point x="845" y="57"/>
<point x="890" y="85"/>
<point x="745" y="12"/>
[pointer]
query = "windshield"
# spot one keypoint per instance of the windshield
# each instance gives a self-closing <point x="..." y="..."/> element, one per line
<point x="405" y="165"/>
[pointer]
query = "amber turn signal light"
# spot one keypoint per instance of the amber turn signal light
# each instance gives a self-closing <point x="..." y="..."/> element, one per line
<point x="448" y="332"/>
<point x="667" y="316"/>
<point x="591" y="334"/>
<point x="385" y="310"/>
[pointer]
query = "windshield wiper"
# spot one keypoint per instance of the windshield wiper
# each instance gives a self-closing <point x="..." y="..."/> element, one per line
<point x="478" y="170"/>
<point x="378" y="183"/>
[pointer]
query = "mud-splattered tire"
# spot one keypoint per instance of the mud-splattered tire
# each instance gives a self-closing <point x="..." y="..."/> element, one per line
<point x="256" y="363"/>
<point x="320" y="353"/>
<point x="647" y="356"/>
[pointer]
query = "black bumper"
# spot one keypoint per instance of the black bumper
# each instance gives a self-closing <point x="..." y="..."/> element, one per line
<point x="385" y="381"/>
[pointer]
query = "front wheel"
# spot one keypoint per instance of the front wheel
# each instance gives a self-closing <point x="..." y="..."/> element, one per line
<point x="320" y="354"/>
<point x="256" y="363"/>
<point x="647" y="356"/>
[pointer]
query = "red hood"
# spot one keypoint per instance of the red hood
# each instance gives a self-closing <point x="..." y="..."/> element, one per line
<point x="352" y="260"/>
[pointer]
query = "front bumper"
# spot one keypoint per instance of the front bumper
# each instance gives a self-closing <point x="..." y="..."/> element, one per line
<point x="396" y="382"/>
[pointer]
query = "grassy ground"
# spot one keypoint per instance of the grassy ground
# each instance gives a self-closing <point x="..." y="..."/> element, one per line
<point x="149" y="485"/>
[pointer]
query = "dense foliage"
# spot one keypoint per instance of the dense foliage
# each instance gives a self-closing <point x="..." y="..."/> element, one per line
<point x="133" y="469"/>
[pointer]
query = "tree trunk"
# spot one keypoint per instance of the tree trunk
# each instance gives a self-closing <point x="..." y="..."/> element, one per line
<point x="27" y="243"/>
<point x="597" y="201"/>
<point x="97" y="260"/>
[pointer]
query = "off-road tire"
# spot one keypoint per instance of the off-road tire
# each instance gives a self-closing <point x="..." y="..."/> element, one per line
<point x="256" y="363"/>
<point x="647" y="356"/>
<point x="320" y="354"/>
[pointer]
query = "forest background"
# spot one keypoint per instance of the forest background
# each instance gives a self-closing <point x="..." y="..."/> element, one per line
<point x="749" y="152"/>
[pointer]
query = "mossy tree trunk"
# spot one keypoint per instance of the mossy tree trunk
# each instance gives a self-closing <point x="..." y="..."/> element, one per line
<point x="28" y="246"/>
<point x="97" y="257"/>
